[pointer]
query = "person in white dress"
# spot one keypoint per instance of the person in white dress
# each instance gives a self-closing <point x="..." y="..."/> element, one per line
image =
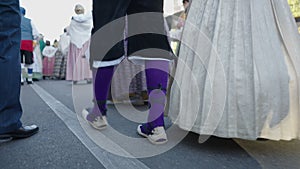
<point x="238" y="74"/>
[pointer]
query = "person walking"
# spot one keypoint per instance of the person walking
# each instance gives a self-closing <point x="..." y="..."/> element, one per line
<point x="156" y="63"/>
<point x="63" y="47"/>
<point x="29" y="33"/>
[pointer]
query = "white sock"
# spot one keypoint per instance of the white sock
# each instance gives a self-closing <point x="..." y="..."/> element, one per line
<point x="22" y="68"/>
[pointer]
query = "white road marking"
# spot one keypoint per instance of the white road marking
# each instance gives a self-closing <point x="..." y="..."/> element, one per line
<point x="107" y="159"/>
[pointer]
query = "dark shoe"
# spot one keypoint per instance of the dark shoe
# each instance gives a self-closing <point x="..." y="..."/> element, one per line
<point x="22" y="132"/>
<point x="22" y="83"/>
<point x="29" y="81"/>
<point x="262" y="139"/>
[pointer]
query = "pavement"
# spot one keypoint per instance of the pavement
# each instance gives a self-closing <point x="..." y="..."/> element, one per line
<point x="65" y="141"/>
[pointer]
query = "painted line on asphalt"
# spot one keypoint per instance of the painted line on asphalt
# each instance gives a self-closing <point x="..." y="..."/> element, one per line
<point x="107" y="159"/>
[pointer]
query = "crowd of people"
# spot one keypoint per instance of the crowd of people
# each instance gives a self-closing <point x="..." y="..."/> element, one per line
<point x="237" y="73"/>
<point x="62" y="60"/>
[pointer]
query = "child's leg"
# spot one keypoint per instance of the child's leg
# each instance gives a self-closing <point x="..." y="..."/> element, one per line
<point x="102" y="79"/>
<point x="29" y="73"/>
<point x="157" y="80"/>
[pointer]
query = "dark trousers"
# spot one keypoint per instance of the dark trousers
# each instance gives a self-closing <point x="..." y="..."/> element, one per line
<point x="28" y="56"/>
<point x="10" y="69"/>
<point x="145" y="29"/>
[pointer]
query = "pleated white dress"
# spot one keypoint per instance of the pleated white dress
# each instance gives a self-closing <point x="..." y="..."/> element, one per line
<point x="238" y="74"/>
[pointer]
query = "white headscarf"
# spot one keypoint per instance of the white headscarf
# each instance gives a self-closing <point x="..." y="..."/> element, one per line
<point x="49" y="51"/>
<point x="80" y="29"/>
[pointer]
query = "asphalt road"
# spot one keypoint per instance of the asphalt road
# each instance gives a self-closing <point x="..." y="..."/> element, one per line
<point x="63" y="143"/>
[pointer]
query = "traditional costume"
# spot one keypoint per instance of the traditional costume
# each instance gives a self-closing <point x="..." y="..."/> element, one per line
<point x="38" y="63"/>
<point x="29" y="33"/>
<point x="80" y="34"/>
<point x="238" y="74"/>
<point x="49" y="60"/>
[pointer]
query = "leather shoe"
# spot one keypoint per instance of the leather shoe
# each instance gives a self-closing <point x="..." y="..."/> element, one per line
<point x="22" y="132"/>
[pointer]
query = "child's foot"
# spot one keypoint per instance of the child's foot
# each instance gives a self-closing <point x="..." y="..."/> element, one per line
<point x="156" y="136"/>
<point x="96" y="121"/>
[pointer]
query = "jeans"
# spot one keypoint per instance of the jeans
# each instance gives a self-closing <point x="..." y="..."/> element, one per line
<point x="10" y="69"/>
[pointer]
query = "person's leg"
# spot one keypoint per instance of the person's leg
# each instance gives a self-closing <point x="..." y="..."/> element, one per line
<point x="29" y="65"/>
<point x="10" y="69"/>
<point x="104" y="13"/>
<point x="102" y="80"/>
<point x="157" y="81"/>
<point x="10" y="73"/>
<point x="29" y="73"/>
<point x="96" y="116"/>
<point x="154" y="46"/>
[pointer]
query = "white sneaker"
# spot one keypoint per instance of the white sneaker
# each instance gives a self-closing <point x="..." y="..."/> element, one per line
<point x="98" y="123"/>
<point x="158" y="135"/>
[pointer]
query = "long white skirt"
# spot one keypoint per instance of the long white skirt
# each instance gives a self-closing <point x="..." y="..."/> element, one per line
<point x="38" y="63"/>
<point x="238" y="73"/>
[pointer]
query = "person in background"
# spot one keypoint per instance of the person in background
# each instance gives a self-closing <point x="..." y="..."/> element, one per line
<point x="10" y="73"/>
<point x="183" y="15"/>
<point x="63" y="47"/>
<point x="179" y="19"/>
<point x="55" y="43"/>
<point x="42" y="42"/>
<point x="64" y="42"/>
<point x="29" y="33"/>
<point x="38" y="63"/>
<point x="49" y="60"/>
<point x="80" y="34"/>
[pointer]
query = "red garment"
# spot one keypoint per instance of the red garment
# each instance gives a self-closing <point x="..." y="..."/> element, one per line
<point x="27" y="45"/>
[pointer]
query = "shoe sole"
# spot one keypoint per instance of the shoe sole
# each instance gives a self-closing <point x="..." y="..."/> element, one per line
<point x="16" y="136"/>
<point x="158" y="143"/>
<point x="97" y="127"/>
<point x="24" y="136"/>
<point x="5" y="139"/>
<point x="84" y="115"/>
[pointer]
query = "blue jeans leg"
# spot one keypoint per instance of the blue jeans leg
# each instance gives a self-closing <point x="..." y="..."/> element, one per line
<point x="10" y="69"/>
